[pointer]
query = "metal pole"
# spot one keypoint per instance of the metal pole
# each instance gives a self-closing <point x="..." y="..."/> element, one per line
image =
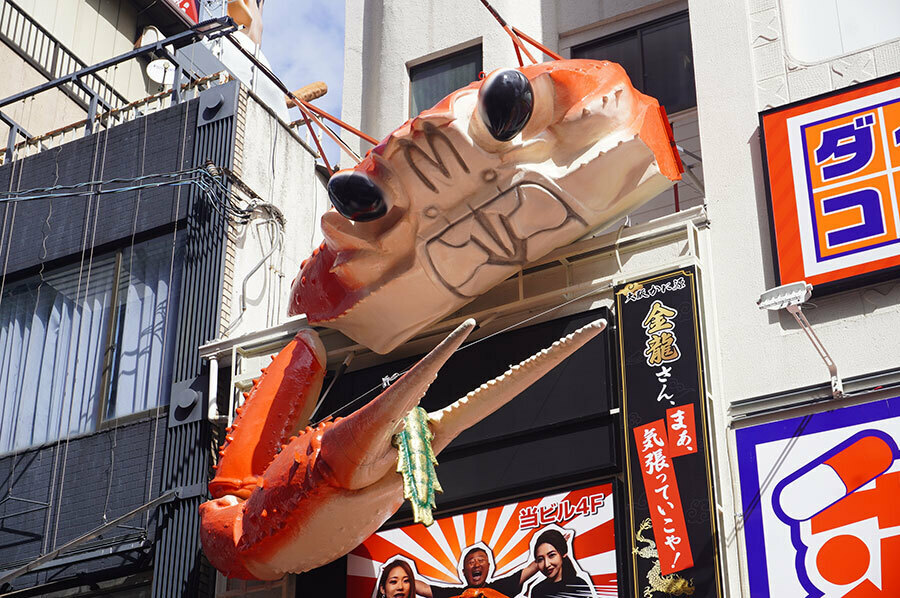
<point x="91" y="115"/>
<point x="163" y="498"/>
<point x="11" y="142"/>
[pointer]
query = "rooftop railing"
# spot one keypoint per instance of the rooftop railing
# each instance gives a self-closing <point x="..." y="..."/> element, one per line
<point x="99" y="111"/>
<point x="47" y="55"/>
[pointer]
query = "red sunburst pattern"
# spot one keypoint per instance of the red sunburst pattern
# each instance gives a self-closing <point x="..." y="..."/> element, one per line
<point x="584" y="516"/>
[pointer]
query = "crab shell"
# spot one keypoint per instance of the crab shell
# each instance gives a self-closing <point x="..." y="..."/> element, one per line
<point x="466" y="211"/>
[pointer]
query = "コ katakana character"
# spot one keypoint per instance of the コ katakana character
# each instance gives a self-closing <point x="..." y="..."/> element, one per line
<point x="869" y="202"/>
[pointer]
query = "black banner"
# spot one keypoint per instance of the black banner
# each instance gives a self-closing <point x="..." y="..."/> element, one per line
<point x="669" y="486"/>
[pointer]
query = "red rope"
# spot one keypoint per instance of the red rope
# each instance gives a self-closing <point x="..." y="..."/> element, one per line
<point x="538" y="45"/>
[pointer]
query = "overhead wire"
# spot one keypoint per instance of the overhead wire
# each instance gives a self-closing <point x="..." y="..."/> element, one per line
<point x="7" y="237"/>
<point x="78" y="298"/>
<point x="169" y="299"/>
<point x="219" y="196"/>
<point x="225" y="201"/>
<point x="396" y="375"/>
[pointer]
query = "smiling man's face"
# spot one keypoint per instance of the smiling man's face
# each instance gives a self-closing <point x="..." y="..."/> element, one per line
<point x="475" y="568"/>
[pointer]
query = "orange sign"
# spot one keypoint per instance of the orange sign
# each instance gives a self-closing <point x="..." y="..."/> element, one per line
<point x="562" y="544"/>
<point x="833" y="173"/>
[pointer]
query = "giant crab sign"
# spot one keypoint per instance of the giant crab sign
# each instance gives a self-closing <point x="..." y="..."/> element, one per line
<point x="454" y="201"/>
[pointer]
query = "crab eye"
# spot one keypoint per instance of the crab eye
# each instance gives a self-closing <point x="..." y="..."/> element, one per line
<point x="505" y="102"/>
<point x="356" y="196"/>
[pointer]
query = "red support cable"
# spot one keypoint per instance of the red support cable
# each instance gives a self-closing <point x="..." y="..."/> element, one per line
<point x="538" y="45"/>
<point x="314" y="136"/>
<point x="518" y="54"/>
<point x="519" y="45"/>
<point x="308" y="117"/>
<point x="338" y="122"/>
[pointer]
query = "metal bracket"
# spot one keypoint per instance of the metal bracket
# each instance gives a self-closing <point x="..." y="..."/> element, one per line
<point x="837" y="387"/>
<point x="790" y="297"/>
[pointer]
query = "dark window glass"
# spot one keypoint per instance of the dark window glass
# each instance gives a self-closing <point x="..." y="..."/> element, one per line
<point x="657" y="57"/>
<point x="432" y="81"/>
<point x="78" y="348"/>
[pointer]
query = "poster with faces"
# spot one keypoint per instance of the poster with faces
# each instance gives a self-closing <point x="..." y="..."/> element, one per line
<point x="560" y="544"/>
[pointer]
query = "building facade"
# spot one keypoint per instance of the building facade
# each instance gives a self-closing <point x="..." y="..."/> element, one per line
<point x="733" y="433"/>
<point x="729" y="75"/>
<point x="143" y="218"/>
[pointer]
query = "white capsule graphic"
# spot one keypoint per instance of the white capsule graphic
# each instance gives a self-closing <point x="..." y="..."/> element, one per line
<point x="831" y="477"/>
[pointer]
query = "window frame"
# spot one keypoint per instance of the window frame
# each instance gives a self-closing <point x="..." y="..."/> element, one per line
<point x="639" y="31"/>
<point x="110" y="357"/>
<point x="108" y="360"/>
<point x="444" y="57"/>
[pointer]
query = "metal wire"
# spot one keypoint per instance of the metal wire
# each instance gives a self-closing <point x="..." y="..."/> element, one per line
<point x="396" y="375"/>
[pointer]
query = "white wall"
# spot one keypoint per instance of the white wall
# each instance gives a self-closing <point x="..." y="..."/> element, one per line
<point x="384" y="37"/>
<point x="741" y="69"/>
<point x="280" y="169"/>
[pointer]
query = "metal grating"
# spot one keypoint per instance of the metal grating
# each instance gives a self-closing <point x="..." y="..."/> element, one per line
<point x="179" y="568"/>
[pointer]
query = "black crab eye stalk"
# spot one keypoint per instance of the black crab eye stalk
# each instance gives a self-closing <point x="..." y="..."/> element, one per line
<point x="505" y="103"/>
<point x="356" y="196"/>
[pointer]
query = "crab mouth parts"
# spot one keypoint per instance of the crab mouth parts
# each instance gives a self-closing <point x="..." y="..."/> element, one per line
<point x="507" y="231"/>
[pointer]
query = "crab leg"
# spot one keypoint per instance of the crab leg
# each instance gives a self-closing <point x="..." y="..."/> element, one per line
<point x="279" y="403"/>
<point x="334" y="485"/>
<point x="329" y="476"/>
<point x="358" y="448"/>
<point x="450" y="421"/>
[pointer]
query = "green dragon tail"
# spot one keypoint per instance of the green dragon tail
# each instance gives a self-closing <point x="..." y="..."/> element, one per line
<point x="415" y="462"/>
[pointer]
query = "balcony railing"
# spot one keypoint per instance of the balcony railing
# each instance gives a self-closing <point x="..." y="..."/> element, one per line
<point x="51" y="58"/>
<point x="99" y="112"/>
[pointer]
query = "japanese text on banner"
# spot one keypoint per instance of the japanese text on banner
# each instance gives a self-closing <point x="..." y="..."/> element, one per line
<point x="663" y="498"/>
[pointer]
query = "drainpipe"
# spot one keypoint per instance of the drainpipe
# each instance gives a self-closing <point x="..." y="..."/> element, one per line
<point x="212" y="412"/>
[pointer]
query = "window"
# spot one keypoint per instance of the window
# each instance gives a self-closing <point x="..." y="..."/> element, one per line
<point x="657" y="56"/>
<point x="815" y="31"/>
<point x="79" y="345"/>
<point x="430" y="82"/>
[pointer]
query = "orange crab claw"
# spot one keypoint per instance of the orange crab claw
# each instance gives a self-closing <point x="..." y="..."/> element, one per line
<point x="281" y="401"/>
<point x="358" y="448"/>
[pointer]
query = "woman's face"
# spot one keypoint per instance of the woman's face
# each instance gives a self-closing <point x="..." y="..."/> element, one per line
<point x="549" y="561"/>
<point x="397" y="584"/>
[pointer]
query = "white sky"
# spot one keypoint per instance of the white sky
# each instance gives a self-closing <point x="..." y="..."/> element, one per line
<point x="304" y="42"/>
